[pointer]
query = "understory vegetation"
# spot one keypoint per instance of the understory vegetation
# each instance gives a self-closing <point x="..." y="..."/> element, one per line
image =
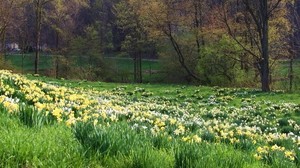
<point x="216" y="70"/>
<point x="58" y="123"/>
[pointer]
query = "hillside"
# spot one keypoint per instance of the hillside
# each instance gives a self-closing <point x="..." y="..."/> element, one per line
<point x="58" y="123"/>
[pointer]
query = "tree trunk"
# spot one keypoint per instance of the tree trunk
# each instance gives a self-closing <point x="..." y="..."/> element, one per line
<point x="137" y="67"/>
<point x="4" y="44"/>
<point x="264" y="64"/>
<point x="197" y="25"/>
<point x="140" y="68"/>
<point x="182" y="60"/>
<point x="57" y="60"/>
<point x="38" y="11"/>
<point x="291" y="73"/>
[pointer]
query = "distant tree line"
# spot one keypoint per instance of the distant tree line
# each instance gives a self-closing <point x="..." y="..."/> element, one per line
<point x="211" y="42"/>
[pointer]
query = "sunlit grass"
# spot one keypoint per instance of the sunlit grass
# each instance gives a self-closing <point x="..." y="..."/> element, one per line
<point x="100" y="124"/>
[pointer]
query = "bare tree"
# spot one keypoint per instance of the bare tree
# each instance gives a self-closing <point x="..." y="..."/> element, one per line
<point x="61" y="16"/>
<point x="255" y="15"/>
<point x="38" y="8"/>
<point x="7" y="8"/>
<point x="181" y="23"/>
<point x="294" y="39"/>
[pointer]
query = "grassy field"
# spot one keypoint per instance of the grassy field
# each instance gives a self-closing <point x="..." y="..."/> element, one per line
<point x="119" y="65"/>
<point x="122" y="69"/>
<point x="58" y="123"/>
<point x="281" y="75"/>
<point x="27" y="62"/>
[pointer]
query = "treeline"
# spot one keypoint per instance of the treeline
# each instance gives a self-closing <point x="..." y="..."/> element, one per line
<point x="210" y="42"/>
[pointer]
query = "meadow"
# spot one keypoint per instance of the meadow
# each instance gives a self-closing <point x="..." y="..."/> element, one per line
<point x="58" y="123"/>
<point x="123" y="66"/>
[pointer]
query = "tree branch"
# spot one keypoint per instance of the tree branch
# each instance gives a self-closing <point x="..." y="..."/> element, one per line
<point x="274" y="7"/>
<point x="234" y="37"/>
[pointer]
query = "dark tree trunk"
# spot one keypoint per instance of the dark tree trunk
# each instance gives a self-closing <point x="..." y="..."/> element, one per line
<point x="137" y="67"/>
<point x="264" y="69"/>
<point x="198" y="24"/>
<point x="258" y="12"/>
<point x="4" y="44"/>
<point x="181" y="59"/>
<point x="140" y="68"/>
<point x="38" y="11"/>
<point x="57" y="60"/>
<point x="291" y="73"/>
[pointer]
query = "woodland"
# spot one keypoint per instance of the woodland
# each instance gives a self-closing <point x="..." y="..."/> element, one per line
<point x="242" y="43"/>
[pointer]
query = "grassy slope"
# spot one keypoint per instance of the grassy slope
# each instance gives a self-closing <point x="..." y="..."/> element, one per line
<point x="174" y="90"/>
<point x="159" y="90"/>
<point x="53" y="146"/>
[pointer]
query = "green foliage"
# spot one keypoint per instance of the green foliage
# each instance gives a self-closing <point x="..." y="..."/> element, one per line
<point x="87" y="46"/>
<point x="88" y="54"/>
<point x="218" y="64"/>
<point x="187" y="155"/>
<point x="161" y="142"/>
<point x="150" y="158"/>
<point x="207" y="136"/>
<point x="31" y="117"/>
<point x="172" y="70"/>
<point x="130" y="22"/>
<point x="116" y="139"/>
<point x="5" y="64"/>
<point x="29" y="147"/>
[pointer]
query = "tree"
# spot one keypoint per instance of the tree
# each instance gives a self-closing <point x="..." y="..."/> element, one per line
<point x="255" y="16"/>
<point x="58" y="11"/>
<point x="101" y="13"/>
<point x="294" y="17"/>
<point x="7" y="9"/>
<point x="219" y="63"/>
<point x="61" y="16"/>
<point x="136" y="41"/>
<point x="38" y="8"/>
<point x="20" y="30"/>
<point x="181" y="23"/>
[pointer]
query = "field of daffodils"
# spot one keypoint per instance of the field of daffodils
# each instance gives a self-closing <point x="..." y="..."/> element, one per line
<point x="223" y="128"/>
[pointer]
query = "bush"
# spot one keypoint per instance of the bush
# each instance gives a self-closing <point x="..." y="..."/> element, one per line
<point x="218" y="65"/>
<point x="4" y="64"/>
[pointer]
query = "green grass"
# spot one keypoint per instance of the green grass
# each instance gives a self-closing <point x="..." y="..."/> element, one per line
<point x="52" y="146"/>
<point x="181" y="92"/>
<point x="151" y="69"/>
<point x="56" y="146"/>
<point x="282" y="72"/>
<point x="31" y="140"/>
<point x="123" y="66"/>
<point x="173" y="90"/>
<point x="46" y="62"/>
